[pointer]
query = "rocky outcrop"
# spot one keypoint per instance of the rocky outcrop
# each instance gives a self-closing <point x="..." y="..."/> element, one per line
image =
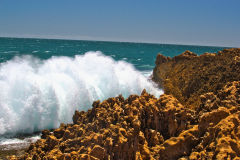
<point x="216" y="133"/>
<point x="219" y="125"/>
<point x="133" y="128"/>
<point x="204" y="126"/>
<point x="187" y="76"/>
<point x="144" y="127"/>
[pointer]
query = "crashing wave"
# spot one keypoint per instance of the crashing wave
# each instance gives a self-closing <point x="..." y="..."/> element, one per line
<point x="40" y="94"/>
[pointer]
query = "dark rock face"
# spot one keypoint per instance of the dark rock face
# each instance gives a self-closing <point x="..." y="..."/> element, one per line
<point x="204" y="126"/>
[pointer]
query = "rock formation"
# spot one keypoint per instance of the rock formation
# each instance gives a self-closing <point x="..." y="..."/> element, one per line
<point x="187" y="76"/>
<point x="198" y="117"/>
<point x="134" y="128"/>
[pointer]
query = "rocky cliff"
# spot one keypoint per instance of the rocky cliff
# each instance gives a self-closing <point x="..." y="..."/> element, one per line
<point x="187" y="76"/>
<point x="181" y="124"/>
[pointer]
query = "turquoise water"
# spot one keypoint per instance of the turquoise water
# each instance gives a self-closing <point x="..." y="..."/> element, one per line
<point x="141" y="55"/>
<point x="43" y="81"/>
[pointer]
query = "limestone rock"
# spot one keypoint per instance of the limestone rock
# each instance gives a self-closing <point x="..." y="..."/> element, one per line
<point x="116" y="129"/>
<point x="188" y="76"/>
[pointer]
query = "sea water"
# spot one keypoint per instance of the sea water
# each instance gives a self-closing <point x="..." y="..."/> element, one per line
<point x="43" y="81"/>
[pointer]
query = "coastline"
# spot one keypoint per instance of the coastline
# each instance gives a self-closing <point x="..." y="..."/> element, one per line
<point x="12" y="149"/>
<point x="16" y="145"/>
<point x="201" y="123"/>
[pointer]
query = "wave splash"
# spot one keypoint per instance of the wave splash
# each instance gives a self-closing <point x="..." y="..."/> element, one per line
<point x="40" y="94"/>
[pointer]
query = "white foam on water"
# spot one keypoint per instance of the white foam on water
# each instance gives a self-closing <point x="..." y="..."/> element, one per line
<point x="40" y="94"/>
<point x="16" y="143"/>
<point x="147" y="73"/>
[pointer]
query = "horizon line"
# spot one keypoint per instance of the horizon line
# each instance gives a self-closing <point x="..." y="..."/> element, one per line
<point x="115" y="41"/>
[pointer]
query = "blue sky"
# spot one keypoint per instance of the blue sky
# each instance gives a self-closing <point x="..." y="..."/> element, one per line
<point x="201" y="22"/>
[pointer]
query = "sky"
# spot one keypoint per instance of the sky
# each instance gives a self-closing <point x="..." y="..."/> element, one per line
<point x="199" y="22"/>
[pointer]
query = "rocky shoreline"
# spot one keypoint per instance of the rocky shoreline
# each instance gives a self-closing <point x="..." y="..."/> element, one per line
<point x="197" y="118"/>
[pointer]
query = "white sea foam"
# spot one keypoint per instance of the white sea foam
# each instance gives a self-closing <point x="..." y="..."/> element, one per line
<point x="16" y="143"/>
<point x="40" y="94"/>
<point x="17" y="140"/>
<point x="147" y="73"/>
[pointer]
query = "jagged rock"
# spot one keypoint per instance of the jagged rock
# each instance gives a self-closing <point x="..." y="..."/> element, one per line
<point x="182" y="145"/>
<point x="187" y="55"/>
<point x="116" y="129"/>
<point x="188" y="76"/>
<point x="45" y="133"/>
<point x="98" y="152"/>
<point x="51" y="142"/>
<point x="161" y="59"/>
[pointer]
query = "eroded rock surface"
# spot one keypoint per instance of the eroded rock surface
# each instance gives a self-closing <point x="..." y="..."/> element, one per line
<point x="187" y="76"/>
<point x="133" y="128"/>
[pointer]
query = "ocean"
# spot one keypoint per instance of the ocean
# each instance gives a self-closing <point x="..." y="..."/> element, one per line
<point x="43" y="81"/>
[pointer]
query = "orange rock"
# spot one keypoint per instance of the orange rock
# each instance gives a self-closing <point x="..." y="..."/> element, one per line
<point x="175" y="147"/>
<point x="188" y="76"/>
<point x="98" y="152"/>
<point x="51" y="142"/>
